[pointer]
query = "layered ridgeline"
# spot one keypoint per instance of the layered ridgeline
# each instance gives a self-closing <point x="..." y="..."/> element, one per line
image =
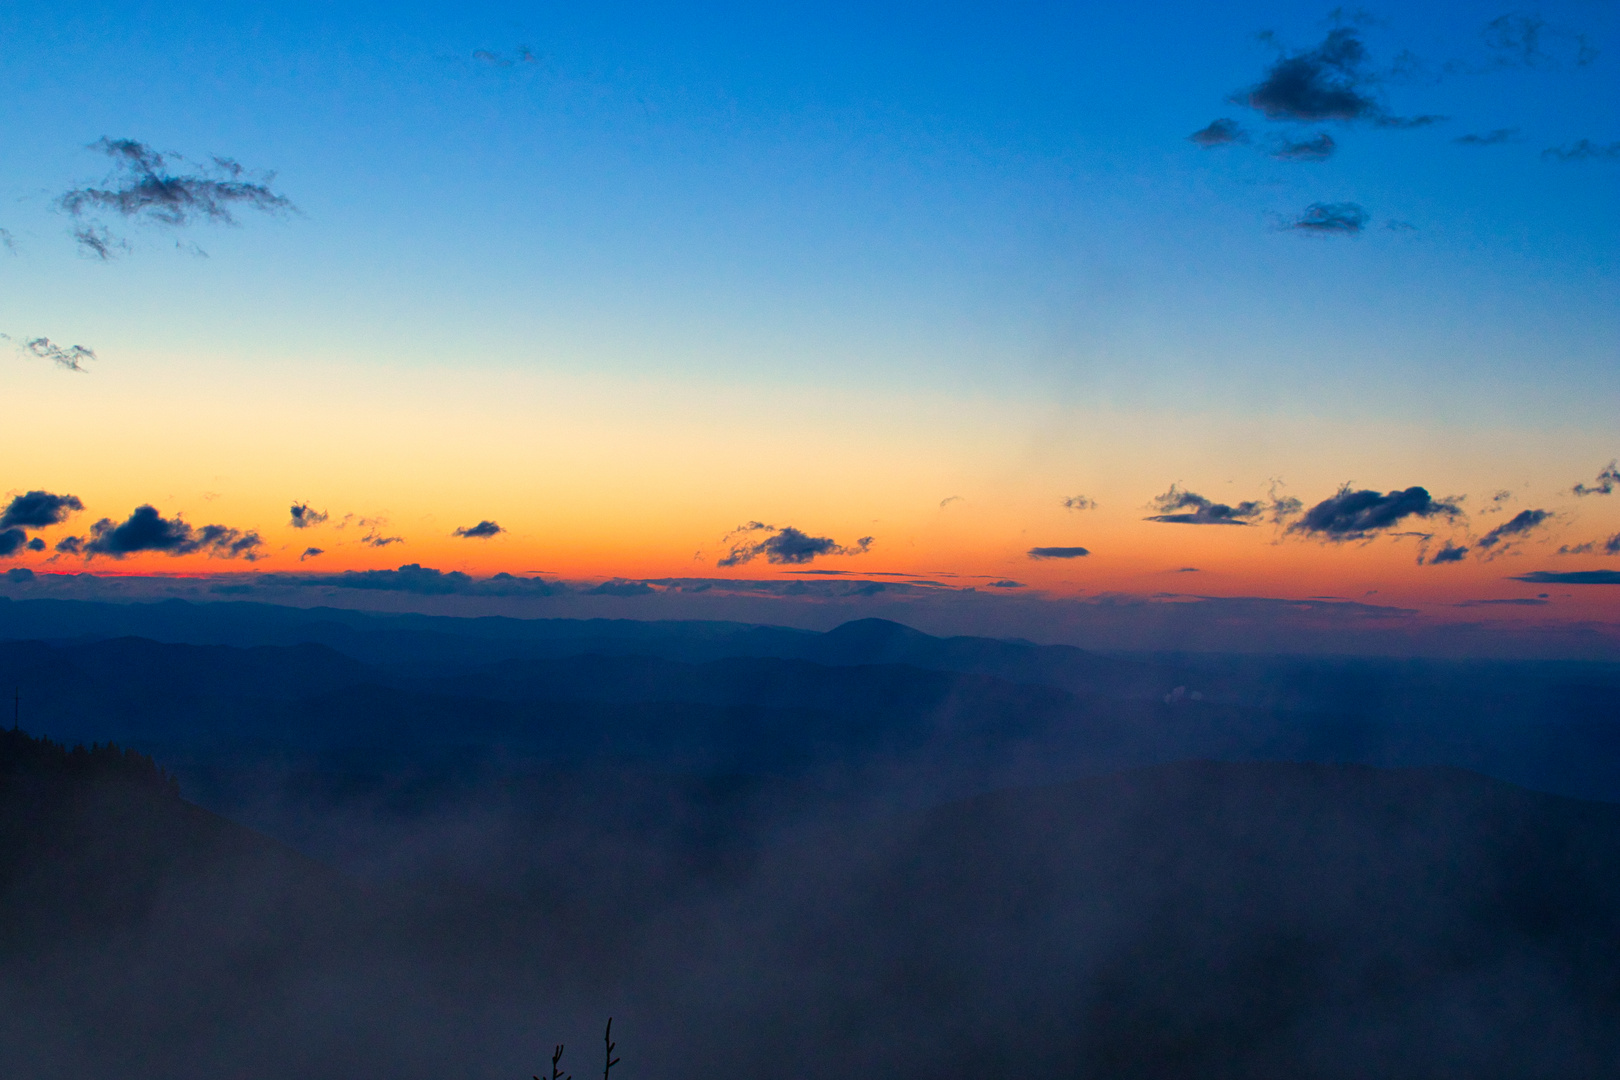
<point x="1191" y="920"/>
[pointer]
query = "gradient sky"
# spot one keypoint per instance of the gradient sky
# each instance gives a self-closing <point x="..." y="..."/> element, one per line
<point x="623" y="279"/>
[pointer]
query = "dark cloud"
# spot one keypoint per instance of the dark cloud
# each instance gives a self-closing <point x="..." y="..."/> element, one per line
<point x="1516" y="601"/>
<point x="12" y="541"/>
<point x="621" y="588"/>
<point x="1319" y="148"/>
<point x="1571" y="577"/>
<point x="1006" y="584"/>
<point x="783" y="545"/>
<point x="69" y="357"/>
<point x="378" y="540"/>
<point x="302" y="517"/>
<point x="36" y="544"/>
<point x="1058" y="553"/>
<point x="1488" y="138"/>
<point x="1524" y="522"/>
<point x="39" y="510"/>
<point x="1522" y="40"/>
<point x="1605" y="483"/>
<point x="144" y="186"/>
<point x="1331" y="219"/>
<point x="70" y="545"/>
<point x="481" y="531"/>
<point x="1450" y="553"/>
<point x="1331" y="82"/>
<point x="1611" y="546"/>
<point x="18" y="575"/>
<point x="1180" y="507"/>
<point x="1354" y="515"/>
<point x="1583" y="150"/>
<point x="311" y="552"/>
<point x="1079" y="502"/>
<point x="1222" y="132"/>
<point x="424" y="581"/>
<point x="147" y="530"/>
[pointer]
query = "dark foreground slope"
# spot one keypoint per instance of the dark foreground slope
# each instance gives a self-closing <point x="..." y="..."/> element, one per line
<point x="1190" y="920"/>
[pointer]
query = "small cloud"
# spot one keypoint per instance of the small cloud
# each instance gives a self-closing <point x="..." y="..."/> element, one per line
<point x="1522" y="523"/>
<point x="1319" y="148"/>
<point x="1186" y="570"/>
<point x="947" y="500"/>
<point x="1331" y="219"/>
<point x="783" y="545"/>
<point x="424" y="581"/>
<point x="68" y="357"/>
<point x="1611" y="546"/>
<point x="1583" y="150"/>
<point x="1006" y="584"/>
<point x="1079" y="502"/>
<point x="11" y="542"/>
<point x="1495" y="137"/>
<point x="147" y="530"/>
<point x="1399" y="226"/>
<point x="19" y="575"/>
<point x="1450" y="553"/>
<point x="1058" y="553"/>
<point x="619" y="587"/>
<point x="1603" y="485"/>
<point x="96" y="242"/>
<point x="481" y="531"/>
<point x="1331" y="82"/>
<point x="1515" y="601"/>
<point x="39" y="510"/>
<point x="36" y="544"/>
<point x="144" y="187"/>
<point x="1179" y="507"/>
<point x="302" y="517"/>
<point x="1222" y="132"/>
<point x="70" y="545"/>
<point x="1571" y="577"/>
<point x="493" y="59"/>
<point x="311" y="552"/>
<point x="1355" y="515"/>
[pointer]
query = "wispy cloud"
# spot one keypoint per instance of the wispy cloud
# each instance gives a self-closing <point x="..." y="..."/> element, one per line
<point x="1571" y="577"/>
<point x="1179" y="507"/>
<point x="1355" y="515"/>
<point x="1449" y="553"/>
<point x="1079" y="502"/>
<point x="1488" y="138"/>
<point x="523" y="55"/>
<point x="302" y="517"/>
<point x="1058" y="553"/>
<point x="1520" y="525"/>
<point x="1005" y="583"/>
<point x="1607" y="478"/>
<point x="1318" y="148"/>
<point x="1222" y="132"/>
<point x="68" y="357"/>
<point x="947" y="500"/>
<point x="1331" y="219"/>
<point x="784" y="544"/>
<point x="481" y="531"/>
<point x="1583" y="150"/>
<point x="311" y="552"/>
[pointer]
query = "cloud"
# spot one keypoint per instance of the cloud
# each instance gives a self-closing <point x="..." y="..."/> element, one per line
<point x="1331" y="82"/>
<point x="1605" y="483"/>
<point x="69" y="357"/>
<point x="523" y="56"/>
<point x="1079" y="502"/>
<point x="1178" y="507"/>
<point x="947" y="500"/>
<point x="1489" y="138"/>
<point x="305" y="518"/>
<point x="147" y="530"/>
<point x="144" y="187"/>
<point x="1571" y="577"/>
<point x="1516" y="601"/>
<point x="70" y="545"/>
<point x="1519" y="40"/>
<point x="1583" y="150"/>
<point x="36" y="544"/>
<point x="1318" y="149"/>
<point x="311" y="552"/>
<point x="1611" y="546"/>
<point x="1058" y="553"/>
<point x="17" y="575"/>
<point x="481" y="531"/>
<point x="96" y="242"/>
<point x="1006" y="584"/>
<point x="1354" y="515"/>
<point x="11" y="542"/>
<point x="1450" y="553"/>
<point x="783" y="545"/>
<point x="1222" y="132"/>
<point x="1526" y="521"/>
<point x="378" y="540"/>
<point x="619" y="587"/>
<point x="39" y="510"/>
<point x="1330" y="219"/>
<point x="424" y="581"/>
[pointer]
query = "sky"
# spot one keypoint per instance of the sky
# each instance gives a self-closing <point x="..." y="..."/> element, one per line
<point x="1242" y="303"/>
